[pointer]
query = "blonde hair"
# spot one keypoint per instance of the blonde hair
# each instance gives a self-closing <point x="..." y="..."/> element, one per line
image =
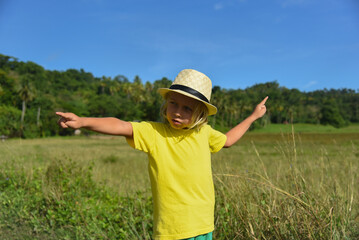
<point x="199" y="114"/>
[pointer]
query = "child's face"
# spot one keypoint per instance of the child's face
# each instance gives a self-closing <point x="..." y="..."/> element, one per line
<point x="179" y="110"/>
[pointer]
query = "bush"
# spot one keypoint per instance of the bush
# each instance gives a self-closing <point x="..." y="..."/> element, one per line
<point x="331" y="115"/>
<point x="9" y="120"/>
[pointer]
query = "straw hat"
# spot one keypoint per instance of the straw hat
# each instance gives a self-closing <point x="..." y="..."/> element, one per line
<point x="193" y="84"/>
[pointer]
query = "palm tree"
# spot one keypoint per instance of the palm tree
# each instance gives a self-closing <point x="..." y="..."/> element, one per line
<point x="138" y="94"/>
<point x="26" y="93"/>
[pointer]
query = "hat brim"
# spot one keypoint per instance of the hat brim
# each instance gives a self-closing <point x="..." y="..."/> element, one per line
<point x="211" y="108"/>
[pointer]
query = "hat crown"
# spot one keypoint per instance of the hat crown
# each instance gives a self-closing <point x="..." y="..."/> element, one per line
<point x="195" y="80"/>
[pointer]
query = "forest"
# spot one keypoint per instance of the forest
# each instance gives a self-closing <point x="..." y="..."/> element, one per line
<point x="30" y="95"/>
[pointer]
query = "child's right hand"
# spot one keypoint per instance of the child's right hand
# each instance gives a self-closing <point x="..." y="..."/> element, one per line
<point x="69" y="120"/>
<point x="260" y="109"/>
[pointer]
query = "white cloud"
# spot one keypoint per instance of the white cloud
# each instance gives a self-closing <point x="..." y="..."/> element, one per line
<point x="310" y="84"/>
<point x="218" y="6"/>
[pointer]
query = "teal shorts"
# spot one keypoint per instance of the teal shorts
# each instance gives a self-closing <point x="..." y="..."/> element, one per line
<point x="207" y="236"/>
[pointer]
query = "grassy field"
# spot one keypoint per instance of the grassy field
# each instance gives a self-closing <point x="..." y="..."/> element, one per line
<point x="306" y="128"/>
<point x="271" y="185"/>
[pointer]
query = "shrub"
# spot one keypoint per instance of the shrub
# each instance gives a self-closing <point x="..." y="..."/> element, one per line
<point x="9" y="120"/>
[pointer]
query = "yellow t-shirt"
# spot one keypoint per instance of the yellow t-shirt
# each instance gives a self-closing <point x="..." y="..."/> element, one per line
<point x="181" y="177"/>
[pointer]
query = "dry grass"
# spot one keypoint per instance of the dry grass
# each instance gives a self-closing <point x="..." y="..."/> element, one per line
<point x="289" y="187"/>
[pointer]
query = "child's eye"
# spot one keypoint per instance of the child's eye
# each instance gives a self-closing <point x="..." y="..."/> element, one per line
<point x="188" y="109"/>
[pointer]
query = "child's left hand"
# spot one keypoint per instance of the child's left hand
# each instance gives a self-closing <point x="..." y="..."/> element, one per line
<point x="260" y="109"/>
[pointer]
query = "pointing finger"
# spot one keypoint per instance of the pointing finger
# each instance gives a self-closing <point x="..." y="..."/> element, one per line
<point x="67" y="116"/>
<point x="264" y="100"/>
<point x="61" y="114"/>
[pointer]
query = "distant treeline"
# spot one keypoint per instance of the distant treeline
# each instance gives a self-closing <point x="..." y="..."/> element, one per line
<point x="29" y="96"/>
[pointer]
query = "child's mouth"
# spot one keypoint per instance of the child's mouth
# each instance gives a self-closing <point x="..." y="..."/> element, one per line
<point x="176" y="122"/>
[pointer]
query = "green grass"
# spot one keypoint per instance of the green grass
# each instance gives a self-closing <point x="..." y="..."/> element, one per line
<point x="268" y="186"/>
<point x="306" y="128"/>
<point x="111" y="156"/>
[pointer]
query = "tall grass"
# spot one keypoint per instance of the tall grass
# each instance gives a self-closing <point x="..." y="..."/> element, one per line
<point x="269" y="186"/>
<point x="304" y="193"/>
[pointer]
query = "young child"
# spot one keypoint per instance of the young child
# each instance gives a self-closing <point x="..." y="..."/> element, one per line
<point x="179" y="152"/>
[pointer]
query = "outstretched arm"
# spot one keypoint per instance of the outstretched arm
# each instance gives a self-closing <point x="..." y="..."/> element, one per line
<point x="112" y="126"/>
<point x="238" y="131"/>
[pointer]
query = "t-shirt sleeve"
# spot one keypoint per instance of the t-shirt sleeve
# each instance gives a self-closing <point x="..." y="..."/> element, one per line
<point x="143" y="136"/>
<point x="216" y="140"/>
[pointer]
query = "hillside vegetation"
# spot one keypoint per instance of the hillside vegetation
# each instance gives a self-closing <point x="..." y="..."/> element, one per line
<point x="29" y="96"/>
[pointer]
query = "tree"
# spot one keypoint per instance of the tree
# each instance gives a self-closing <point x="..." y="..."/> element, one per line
<point x="7" y="62"/>
<point x="331" y="114"/>
<point x="9" y="120"/>
<point x="26" y="93"/>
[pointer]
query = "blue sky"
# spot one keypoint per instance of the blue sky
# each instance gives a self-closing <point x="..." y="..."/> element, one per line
<point x="303" y="44"/>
